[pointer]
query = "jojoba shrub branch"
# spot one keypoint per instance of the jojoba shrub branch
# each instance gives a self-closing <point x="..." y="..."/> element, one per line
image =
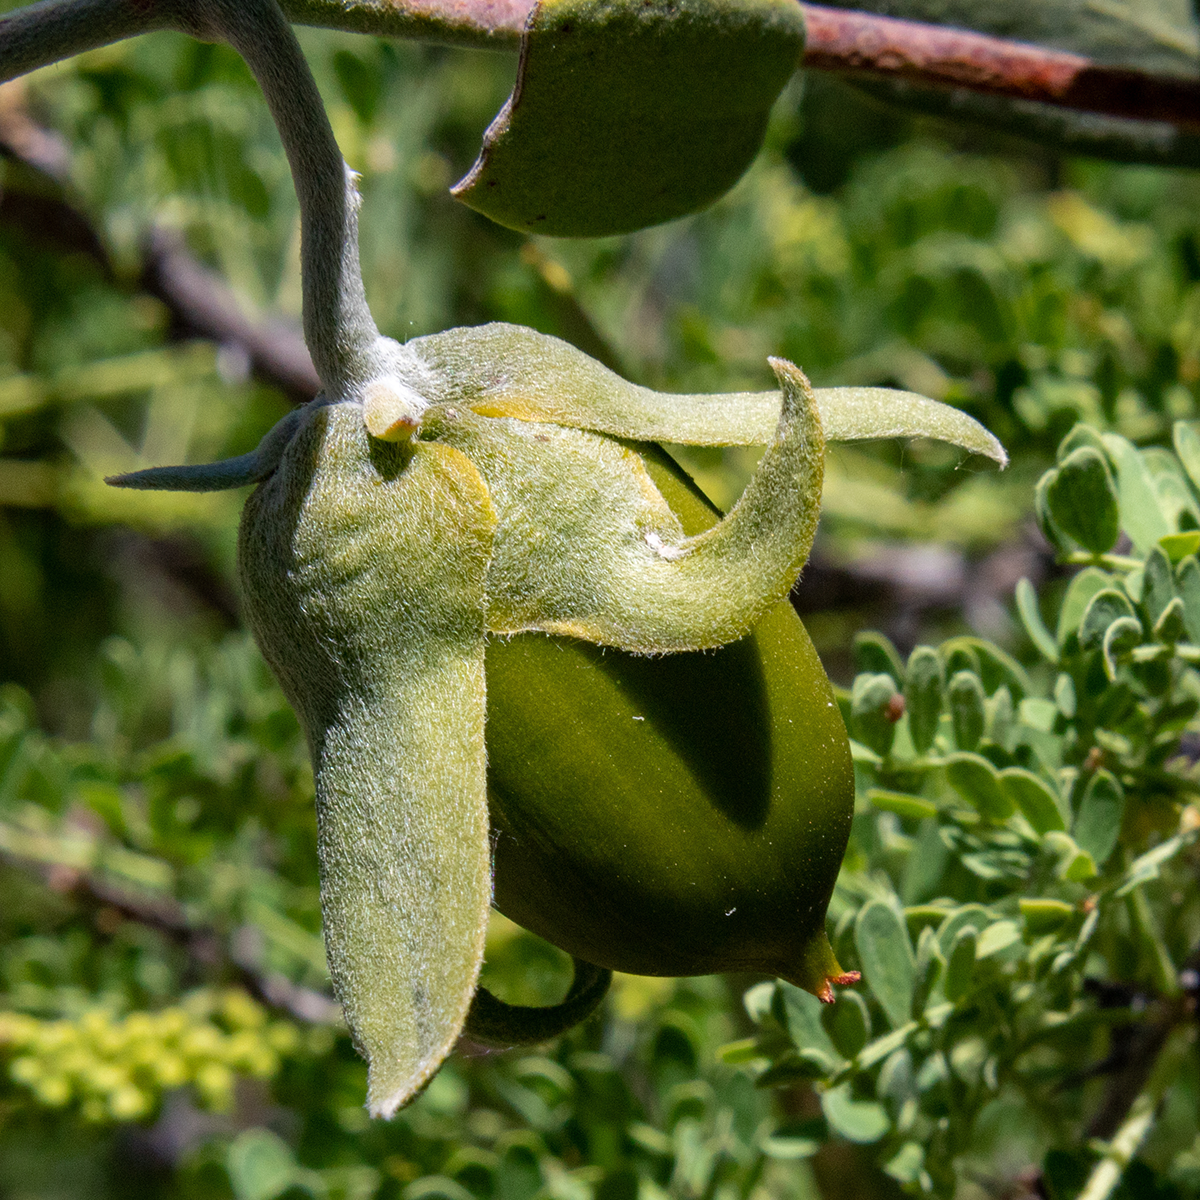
<point x="432" y="496"/>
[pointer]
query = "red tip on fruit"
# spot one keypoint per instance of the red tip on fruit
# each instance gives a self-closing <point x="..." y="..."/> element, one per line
<point x="818" y="971"/>
<point x="825" y="995"/>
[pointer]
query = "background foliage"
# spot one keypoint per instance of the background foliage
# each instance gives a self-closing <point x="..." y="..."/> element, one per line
<point x="1020" y="891"/>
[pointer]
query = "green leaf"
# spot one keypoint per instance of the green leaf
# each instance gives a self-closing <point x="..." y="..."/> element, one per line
<point x="911" y="808"/>
<point x="1079" y="436"/>
<point x="1179" y="545"/>
<point x="996" y="937"/>
<point x="1146" y="867"/>
<point x="1038" y="713"/>
<point x="999" y="715"/>
<point x="1187" y="447"/>
<point x="883" y="1047"/>
<point x="1141" y="516"/>
<point x="1103" y="609"/>
<point x="1035" y="798"/>
<point x="1188" y="582"/>
<point x="628" y="113"/>
<point x="1171" y="624"/>
<point x="960" y="964"/>
<point x="1158" y="585"/>
<point x="847" y="1022"/>
<point x="993" y="666"/>
<point x="800" y="1013"/>
<point x="871" y="702"/>
<point x="1083" y="500"/>
<point x="965" y="700"/>
<point x="968" y="916"/>
<point x="1098" y="821"/>
<point x="1074" y="864"/>
<point x="1042" y="916"/>
<point x="862" y="1121"/>
<point x="1041" y="511"/>
<point x="979" y="783"/>
<point x="874" y="654"/>
<point x="886" y="957"/>
<point x="1064" y="695"/>
<point x="1031" y="618"/>
<point x="930" y="964"/>
<point x="923" y="696"/>
<point x="1121" y="637"/>
<point x="261" y="1165"/>
<point x="907" y="1165"/>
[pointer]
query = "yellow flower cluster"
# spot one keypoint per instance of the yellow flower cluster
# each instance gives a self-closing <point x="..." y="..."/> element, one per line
<point x="117" y="1067"/>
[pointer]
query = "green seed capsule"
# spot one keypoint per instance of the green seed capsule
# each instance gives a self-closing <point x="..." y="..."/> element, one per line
<point x="679" y="815"/>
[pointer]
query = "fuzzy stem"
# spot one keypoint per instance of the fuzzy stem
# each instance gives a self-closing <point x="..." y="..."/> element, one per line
<point x="342" y="338"/>
<point x="48" y="32"/>
<point x="338" y="326"/>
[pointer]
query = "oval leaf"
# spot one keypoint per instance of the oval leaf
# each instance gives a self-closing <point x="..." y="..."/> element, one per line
<point x="964" y="698"/>
<point x="1034" y="798"/>
<point x="1083" y="500"/>
<point x="978" y="783"/>
<point x="886" y="956"/>
<point x="627" y="113"/>
<point x="923" y="696"/>
<point x="1103" y="609"/>
<point x="1098" y="822"/>
<point x="856" y="1120"/>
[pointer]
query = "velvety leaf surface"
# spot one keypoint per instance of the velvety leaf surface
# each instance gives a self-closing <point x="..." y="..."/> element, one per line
<point x="610" y="562"/>
<point x="365" y="590"/>
<point x="626" y="114"/>
<point x="501" y="370"/>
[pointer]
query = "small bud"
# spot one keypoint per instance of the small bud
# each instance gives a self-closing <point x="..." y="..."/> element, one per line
<point x="391" y="409"/>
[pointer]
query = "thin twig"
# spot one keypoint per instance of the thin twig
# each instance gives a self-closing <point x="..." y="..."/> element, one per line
<point x="839" y="40"/>
<point x="45" y="33"/>
<point x="205" y="945"/>
<point x="200" y="303"/>
<point x="940" y="56"/>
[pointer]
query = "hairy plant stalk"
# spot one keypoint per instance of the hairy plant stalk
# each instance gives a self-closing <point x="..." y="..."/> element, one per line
<point x="347" y="350"/>
<point x="341" y="334"/>
<point x="48" y="32"/>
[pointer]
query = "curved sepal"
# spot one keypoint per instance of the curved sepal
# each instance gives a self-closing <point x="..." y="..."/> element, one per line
<point x="492" y="1022"/>
<point x="363" y="567"/>
<point x="501" y="370"/>
<point x="587" y="546"/>
<point x="218" y="476"/>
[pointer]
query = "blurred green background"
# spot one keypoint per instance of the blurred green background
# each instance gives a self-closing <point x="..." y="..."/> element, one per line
<point x="157" y="841"/>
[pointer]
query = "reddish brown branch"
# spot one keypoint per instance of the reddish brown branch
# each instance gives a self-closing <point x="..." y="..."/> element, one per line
<point x="939" y="56"/>
<point x="838" y="40"/>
